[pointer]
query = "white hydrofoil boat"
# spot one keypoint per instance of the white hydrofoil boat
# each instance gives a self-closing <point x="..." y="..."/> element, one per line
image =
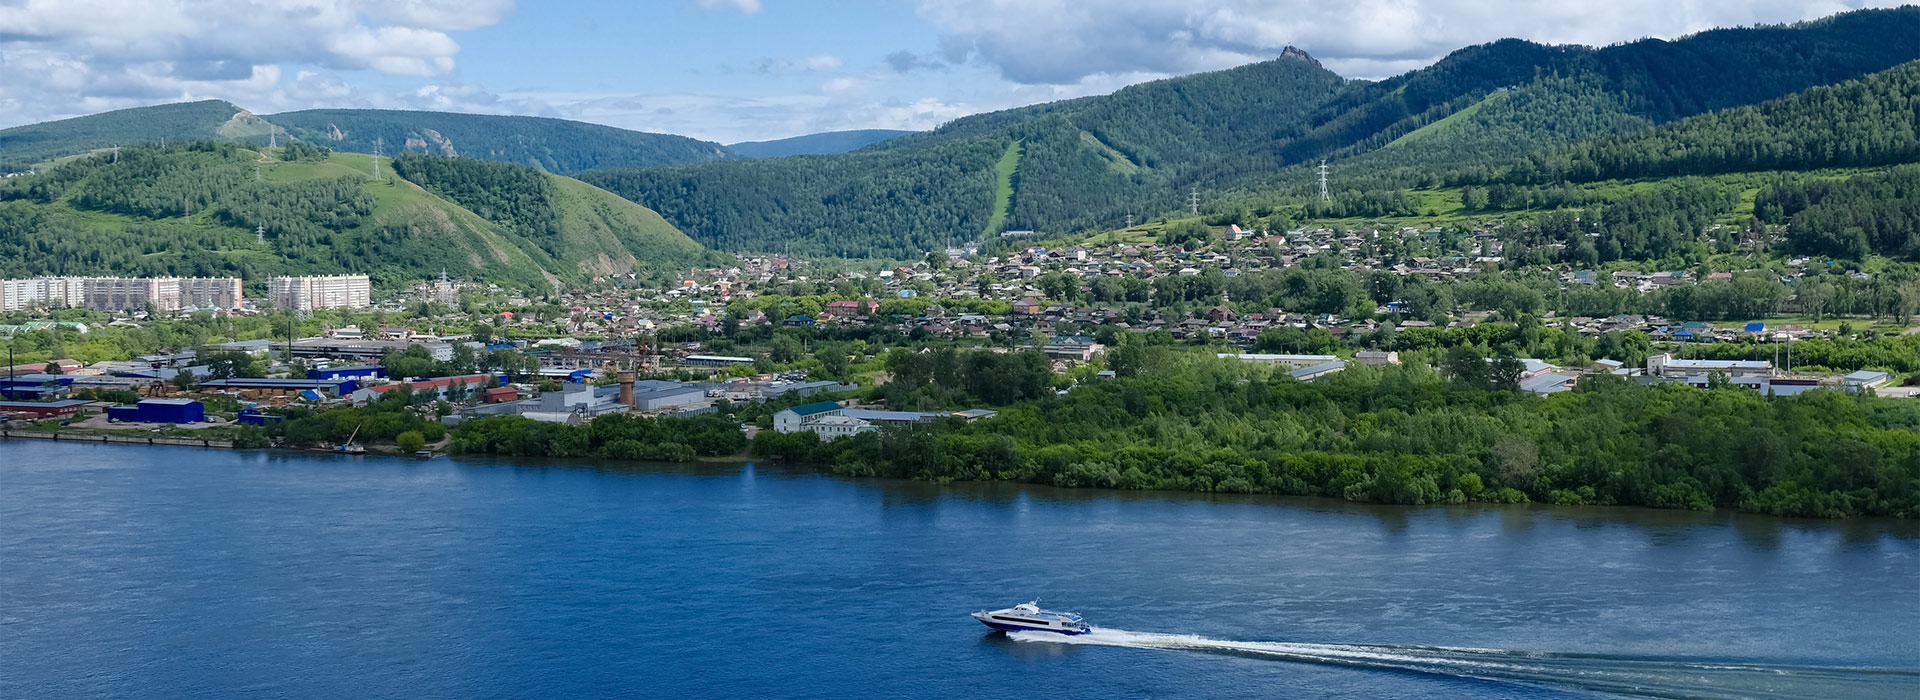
<point x="1029" y="617"/>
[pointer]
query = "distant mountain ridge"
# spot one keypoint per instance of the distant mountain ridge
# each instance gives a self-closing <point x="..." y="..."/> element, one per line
<point x="821" y="144"/>
<point x="1087" y="163"/>
<point x="554" y="145"/>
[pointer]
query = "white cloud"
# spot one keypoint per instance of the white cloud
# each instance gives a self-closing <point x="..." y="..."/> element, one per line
<point x="840" y="86"/>
<point x="809" y="64"/>
<point x="65" y="57"/>
<point x="1064" y="41"/>
<point x="743" y="6"/>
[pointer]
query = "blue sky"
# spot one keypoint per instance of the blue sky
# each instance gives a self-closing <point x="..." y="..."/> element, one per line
<point x="735" y="70"/>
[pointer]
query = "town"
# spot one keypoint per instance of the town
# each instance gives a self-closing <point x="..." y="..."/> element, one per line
<point x="718" y="338"/>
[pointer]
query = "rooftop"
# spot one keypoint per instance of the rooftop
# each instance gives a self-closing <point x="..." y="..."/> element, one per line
<point x="815" y="408"/>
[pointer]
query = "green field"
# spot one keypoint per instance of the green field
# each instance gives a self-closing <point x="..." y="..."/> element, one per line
<point x="1003" y="188"/>
<point x="1443" y="122"/>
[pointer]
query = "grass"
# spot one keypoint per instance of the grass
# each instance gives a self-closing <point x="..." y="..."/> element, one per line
<point x="1004" y="170"/>
<point x="1117" y="162"/>
<point x="1443" y="122"/>
<point x="1830" y="323"/>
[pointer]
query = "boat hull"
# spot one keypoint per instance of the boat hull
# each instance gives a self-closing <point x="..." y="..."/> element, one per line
<point x="1008" y="627"/>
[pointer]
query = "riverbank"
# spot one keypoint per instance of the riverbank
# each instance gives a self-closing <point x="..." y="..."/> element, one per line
<point x="90" y="437"/>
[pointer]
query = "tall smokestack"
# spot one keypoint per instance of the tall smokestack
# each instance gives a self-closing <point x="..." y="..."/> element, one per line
<point x="626" y="387"/>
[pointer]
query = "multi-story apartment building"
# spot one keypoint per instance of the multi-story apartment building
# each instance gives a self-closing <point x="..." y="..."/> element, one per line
<point x="121" y="293"/>
<point x="321" y="292"/>
<point x="210" y="292"/>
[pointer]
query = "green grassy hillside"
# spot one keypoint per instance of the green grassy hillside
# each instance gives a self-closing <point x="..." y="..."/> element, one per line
<point x="208" y="208"/>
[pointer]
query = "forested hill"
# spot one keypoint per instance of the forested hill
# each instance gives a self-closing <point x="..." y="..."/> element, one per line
<point x="555" y="145"/>
<point x="213" y="208"/>
<point x="980" y="174"/>
<point x="22" y="147"/>
<point x="822" y="144"/>
<point x="1867" y="122"/>
<point x="1087" y="163"/>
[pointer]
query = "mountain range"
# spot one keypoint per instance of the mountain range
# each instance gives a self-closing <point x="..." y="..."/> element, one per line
<point x="1086" y="164"/>
<point x="555" y="145"/>
<point x="1247" y="138"/>
<point x="822" y="144"/>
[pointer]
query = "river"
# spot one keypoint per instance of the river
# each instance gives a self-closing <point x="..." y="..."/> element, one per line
<point x="179" y="572"/>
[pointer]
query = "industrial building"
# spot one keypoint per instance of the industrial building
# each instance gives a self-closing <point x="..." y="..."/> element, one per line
<point x="321" y="292"/>
<point x="1288" y="361"/>
<point x="27" y="387"/>
<point x="1077" y="348"/>
<point x="259" y="388"/>
<point x="41" y="410"/>
<point x="364" y="350"/>
<point x="159" y="411"/>
<point x="438" y="387"/>
<point x="255" y="416"/>
<point x="1308" y="374"/>
<point x="721" y="360"/>
<point x="1666" y="366"/>
<point x="354" y="372"/>
<point x="830" y="420"/>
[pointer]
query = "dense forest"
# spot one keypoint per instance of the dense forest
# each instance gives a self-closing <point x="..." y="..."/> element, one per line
<point x="23" y="146"/>
<point x="218" y="208"/>
<point x="1089" y="162"/>
<point x="562" y="220"/>
<point x="516" y="197"/>
<point x="1868" y="122"/>
<point x="1410" y="435"/>
<point x="1877" y="213"/>
<point x="616" y="436"/>
<point x="554" y="145"/>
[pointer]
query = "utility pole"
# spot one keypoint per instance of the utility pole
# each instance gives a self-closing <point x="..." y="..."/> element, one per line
<point x="1129" y="221"/>
<point x="1193" y="200"/>
<point x="376" y="157"/>
<point x="1324" y="197"/>
<point x="271" y="141"/>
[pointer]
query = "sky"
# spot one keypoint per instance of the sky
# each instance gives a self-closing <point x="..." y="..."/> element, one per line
<point x="742" y="70"/>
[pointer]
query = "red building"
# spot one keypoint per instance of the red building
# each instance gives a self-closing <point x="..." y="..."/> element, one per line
<point x="47" y="409"/>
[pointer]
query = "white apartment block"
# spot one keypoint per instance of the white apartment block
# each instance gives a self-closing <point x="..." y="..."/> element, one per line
<point x="321" y="292"/>
<point x="121" y="293"/>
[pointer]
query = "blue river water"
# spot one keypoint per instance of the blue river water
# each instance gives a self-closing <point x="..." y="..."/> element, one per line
<point x="176" y="572"/>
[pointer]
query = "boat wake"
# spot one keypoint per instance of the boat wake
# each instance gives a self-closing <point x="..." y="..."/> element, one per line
<point x="1624" y="675"/>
